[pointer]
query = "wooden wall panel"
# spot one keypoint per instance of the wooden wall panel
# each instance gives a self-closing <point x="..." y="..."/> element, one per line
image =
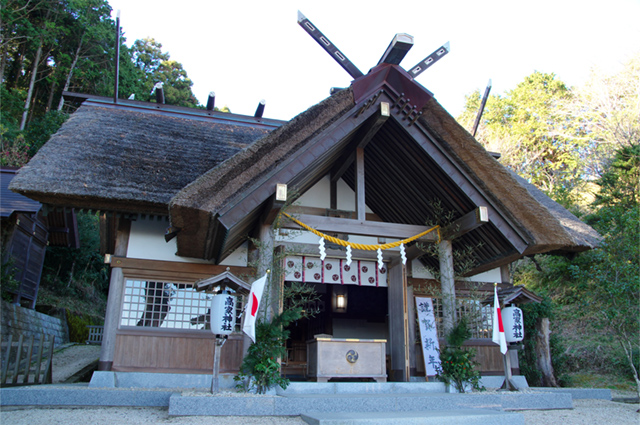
<point x="487" y="354"/>
<point x="174" y="353"/>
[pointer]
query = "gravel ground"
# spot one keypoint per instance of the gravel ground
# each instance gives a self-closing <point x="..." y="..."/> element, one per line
<point x="584" y="412"/>
<point x="71" y="359"/>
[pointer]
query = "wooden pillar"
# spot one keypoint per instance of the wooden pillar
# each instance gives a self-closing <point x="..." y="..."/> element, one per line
<point x="114" y="299"/>
<point x="360" y="198"/>
<point x="270" y="296"/>
<point x="448" y="286"/>
<point x="333" y="194"/>
<point x="398" y="325"/>
<point x="269" y="303"/>
<point x="411" y="313"/>
<point x="505" y="274"/>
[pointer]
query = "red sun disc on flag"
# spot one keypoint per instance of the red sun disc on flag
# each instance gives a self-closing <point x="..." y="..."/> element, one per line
<point x="254" y="305"/>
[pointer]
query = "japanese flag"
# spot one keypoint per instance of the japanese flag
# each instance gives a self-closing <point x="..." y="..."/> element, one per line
<point x="498" y="327"/>
<point x="253" y="304"/>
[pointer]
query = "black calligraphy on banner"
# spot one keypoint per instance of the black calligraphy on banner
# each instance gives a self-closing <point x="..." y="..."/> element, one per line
<point x="517" y="324"/>
<point x="428" y="334"/>
<point x="227" y="318"/>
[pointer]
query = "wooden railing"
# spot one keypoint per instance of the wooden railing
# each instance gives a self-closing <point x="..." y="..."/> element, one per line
<point x="21" y="365"/>
<point x="95" y="334"/>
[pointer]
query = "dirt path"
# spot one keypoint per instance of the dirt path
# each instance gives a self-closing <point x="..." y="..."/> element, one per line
<point x="72" y="359"/>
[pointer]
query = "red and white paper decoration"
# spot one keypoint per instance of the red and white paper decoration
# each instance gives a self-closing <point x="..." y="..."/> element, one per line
<point x="334" y="271"/>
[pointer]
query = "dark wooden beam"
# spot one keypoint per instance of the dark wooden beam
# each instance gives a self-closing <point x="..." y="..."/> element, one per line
<point x="430" y="60"/>
<point x="271" y="210"/>
<point x="365" y="134"/>
<point x="337" y="173"/>
<point x="333" y="195"/>
<point x="466" y="223"/>
<point x="361" y="227"/>
<point x="360" y="203"/>
<point x="373" y="124"/>
<point x="328" y="46"/>
<point x="397" y="49"/>
<point x="485" y="97"/>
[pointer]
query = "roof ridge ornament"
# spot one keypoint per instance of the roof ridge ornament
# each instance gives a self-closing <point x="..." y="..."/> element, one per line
<point x="328" y="46"/>
<point x="430" y="60"/>
<point x="393" y="55"/>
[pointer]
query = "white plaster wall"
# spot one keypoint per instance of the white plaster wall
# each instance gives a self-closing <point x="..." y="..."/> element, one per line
<point x="490" y="276"/>
<point x="319" y="196"/>
<point x="147" y="242"/>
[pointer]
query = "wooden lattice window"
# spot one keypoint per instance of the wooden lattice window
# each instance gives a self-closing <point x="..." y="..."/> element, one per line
<point x="478" y="315"/>
<point x="167" y="305"/>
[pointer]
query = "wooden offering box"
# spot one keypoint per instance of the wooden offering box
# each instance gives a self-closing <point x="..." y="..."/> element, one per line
<point x="346" y="358"/>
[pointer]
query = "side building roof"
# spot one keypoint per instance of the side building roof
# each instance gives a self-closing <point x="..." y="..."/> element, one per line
<point x="133" y="157"/>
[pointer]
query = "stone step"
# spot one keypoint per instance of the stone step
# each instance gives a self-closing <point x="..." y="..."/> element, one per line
<point x="293" y="405"/>
<point x="439" y="417"/>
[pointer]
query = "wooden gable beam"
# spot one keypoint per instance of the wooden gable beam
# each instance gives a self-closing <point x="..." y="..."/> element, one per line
<point x="271" y="210"/>
<point x="466" y="223"/>
<point x="307" y="159"/>
<point x="361" y="227"/>
<point x="508" y="227"/>
<point x="369" y="129"/>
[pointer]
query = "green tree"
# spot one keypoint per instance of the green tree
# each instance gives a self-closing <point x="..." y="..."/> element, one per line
<point x="531" y="129"/>
<point x="80" y="273"/>
<point x="613" y="274"/>
<point x="157" y="66"/>
<point x="599" y="290"/>
<point x="607" y="107"/>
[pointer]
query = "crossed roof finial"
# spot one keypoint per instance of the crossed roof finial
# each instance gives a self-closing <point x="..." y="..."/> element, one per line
<point x="394" y="54"/>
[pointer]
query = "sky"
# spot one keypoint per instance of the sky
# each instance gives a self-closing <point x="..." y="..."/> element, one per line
<point x="248" y="50"/>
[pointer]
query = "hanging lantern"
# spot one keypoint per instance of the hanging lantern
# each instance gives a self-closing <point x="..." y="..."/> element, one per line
<point x="223" y="314"/>
<point x="513" y="324"/>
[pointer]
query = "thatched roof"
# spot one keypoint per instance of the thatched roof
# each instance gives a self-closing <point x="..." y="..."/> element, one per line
<point x="201" y="201"/>
<point x="435" y="159"/>
<point x="130" y="158"/>
<point x="215" y="175"/>
<point x="549" y="226"/>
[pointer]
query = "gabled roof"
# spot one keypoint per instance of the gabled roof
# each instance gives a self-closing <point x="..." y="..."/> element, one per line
<point x="133" y="157"/>
<point x="224" y="280"/>
<point x="215" y="173"/>
<point x="513" y="295"/>
<point x="418" y="158"/>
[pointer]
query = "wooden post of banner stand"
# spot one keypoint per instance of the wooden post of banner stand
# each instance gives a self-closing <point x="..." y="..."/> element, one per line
<point x="215" y="380"/>
<point x="508" y="384"/>
<point x="508" y="377"/>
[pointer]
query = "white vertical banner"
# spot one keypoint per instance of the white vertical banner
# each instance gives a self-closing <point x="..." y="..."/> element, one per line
<point x="428" y="334"/>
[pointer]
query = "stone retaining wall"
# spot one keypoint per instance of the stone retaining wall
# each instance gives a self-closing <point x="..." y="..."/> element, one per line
<point x="17" y="320"/>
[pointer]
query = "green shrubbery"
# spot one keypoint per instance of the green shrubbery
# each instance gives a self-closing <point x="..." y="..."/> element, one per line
<point x="457" y="365"/>
<point x="260" y="369"/>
